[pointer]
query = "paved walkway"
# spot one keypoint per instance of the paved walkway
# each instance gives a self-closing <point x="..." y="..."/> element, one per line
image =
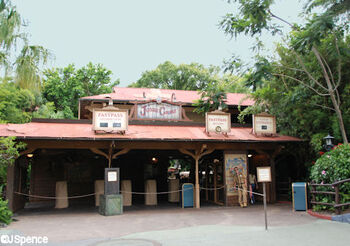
<point x="176" y="226"/>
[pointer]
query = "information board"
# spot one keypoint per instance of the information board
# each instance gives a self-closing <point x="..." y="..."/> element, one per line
<point x="218" y="122"/>
<point x="264" y="124"/>
<point x="264" y="174"/>
<point x="110" y="120"/>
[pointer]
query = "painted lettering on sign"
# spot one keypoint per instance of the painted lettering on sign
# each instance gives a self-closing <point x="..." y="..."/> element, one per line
<point x="264" y="124"/>
<point x="218" y="122"/>
<point x="108" y="120"/>
<point x="158" y="111"/>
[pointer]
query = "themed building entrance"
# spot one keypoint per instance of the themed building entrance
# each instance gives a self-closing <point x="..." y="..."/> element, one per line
<point x="212" y="179"/>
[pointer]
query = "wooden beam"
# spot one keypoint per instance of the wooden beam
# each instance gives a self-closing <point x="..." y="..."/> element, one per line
<point x="187" y="152"/>
<point x="27" y="151"/>
<point x="99" y="152"/>
<point x="121" y="152"/>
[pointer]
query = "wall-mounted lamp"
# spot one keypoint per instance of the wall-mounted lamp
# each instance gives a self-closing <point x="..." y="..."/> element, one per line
<point x="250" y="155"/>
<point x="30" y="155"/>
<point x="154" y="160"/>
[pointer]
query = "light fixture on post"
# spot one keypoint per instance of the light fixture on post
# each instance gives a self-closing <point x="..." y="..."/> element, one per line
<point x="329" y="144"/>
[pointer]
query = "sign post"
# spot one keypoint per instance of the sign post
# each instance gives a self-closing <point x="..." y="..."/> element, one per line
<point x="111" y="202"/>
<point x="264" y="176"/>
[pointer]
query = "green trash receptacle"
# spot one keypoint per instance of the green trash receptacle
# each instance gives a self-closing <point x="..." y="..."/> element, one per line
<point x="299" y="191"/>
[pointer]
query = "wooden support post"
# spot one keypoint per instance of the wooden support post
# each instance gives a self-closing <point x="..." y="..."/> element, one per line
<point x="215" y="184"/>
<point x="199" y="153"/>
<point x="337" y="209"/>
<point x="206" y="182"/>
<point x="10" y="187"/>
<point x="197" y="185"/>
<point x="273" y="183"/>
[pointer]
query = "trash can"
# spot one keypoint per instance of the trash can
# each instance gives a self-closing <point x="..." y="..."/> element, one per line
<point x="299" y="196"/>
<point x="187" y="195"/>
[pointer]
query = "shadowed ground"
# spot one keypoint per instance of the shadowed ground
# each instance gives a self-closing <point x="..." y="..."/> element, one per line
<point x="169" y="225"/>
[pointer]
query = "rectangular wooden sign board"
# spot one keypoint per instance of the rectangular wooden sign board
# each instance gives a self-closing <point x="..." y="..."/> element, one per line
<point x="264" y="174"/>
<point x="218" y="122"/>
<point x="264" y="124"/>
<point x="110" y="120"/>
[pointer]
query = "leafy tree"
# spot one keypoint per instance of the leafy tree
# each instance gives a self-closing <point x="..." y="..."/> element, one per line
<point x="25" y="67"/>
<point x="334" y="8"/>
<point x="16" y="104"/>
<point x="211" y="99"/>
<point x="8" y="154"/>
<point x="211" y="84"/>
<point x="64" y="86"/>
<point x="167" y="75"/>
<point x="323" y="76"/>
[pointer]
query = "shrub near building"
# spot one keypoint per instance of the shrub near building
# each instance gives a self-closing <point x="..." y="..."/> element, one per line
<point x="329" y="168"/>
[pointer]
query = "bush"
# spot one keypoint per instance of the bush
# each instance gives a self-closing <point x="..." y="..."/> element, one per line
<point x="5" y="212"/>
<point x="329" y="168"/>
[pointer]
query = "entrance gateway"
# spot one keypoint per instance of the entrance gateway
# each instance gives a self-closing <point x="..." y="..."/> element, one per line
<point x="155" y="139"/>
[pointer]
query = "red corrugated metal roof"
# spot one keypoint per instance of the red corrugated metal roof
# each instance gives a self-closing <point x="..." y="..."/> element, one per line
<point x="188" y="97"/>
<point x="68" y="131"/>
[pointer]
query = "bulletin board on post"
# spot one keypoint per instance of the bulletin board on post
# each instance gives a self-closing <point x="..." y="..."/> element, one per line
<point x="264" y="174"/>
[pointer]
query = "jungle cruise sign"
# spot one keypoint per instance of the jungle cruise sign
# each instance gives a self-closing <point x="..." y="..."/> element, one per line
<point x="159" y="111"/>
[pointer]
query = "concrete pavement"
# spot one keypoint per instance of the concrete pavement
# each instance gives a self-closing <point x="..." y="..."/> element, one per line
<point x="175" y="226"/>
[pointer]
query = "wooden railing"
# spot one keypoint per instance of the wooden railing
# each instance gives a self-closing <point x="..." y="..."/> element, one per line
<point x="335" y="186"/>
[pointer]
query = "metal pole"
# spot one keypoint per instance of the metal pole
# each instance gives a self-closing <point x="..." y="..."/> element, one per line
<point x="264" y="190"/>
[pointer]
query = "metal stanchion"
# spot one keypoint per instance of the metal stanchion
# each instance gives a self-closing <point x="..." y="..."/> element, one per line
<point x="265" y="207"/>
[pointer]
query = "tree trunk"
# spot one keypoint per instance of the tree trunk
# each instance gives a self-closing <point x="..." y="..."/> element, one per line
<point x="331" y="90"/>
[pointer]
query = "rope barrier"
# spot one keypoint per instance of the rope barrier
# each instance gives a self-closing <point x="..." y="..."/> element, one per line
<point x="153" y="193"/>
<point x="133" y="192"/>
<point x="202" y="188"/>
<point x="51" y="197"/>
<point x="247" y="191"/>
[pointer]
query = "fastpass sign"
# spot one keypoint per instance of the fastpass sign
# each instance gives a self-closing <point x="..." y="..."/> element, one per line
<point x="110" y="120"/>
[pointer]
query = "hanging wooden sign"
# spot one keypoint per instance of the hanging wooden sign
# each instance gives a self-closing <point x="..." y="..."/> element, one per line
<point x="218" y="122"/>
<point x="110" y="119"/>
<point x="160" y="111"/>
<point x="264" y="124"/>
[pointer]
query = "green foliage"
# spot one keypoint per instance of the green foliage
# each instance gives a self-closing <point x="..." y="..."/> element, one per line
<point x="5" y="212"/>
<point x="48" y="111"/>
<point x="179" y="77"/>
<point x="25" y="63"/>
<point x="254" y="17"/>
<point x="15" y="103"/>
<point x="65" y="86"/>
<point x="305" y="86"/>
<point x="335" y="8"/>
<point x="208" y="81"/>
<point x="8" y="154"/>
<point x="211" y="99"/>
<point x="331" y="167"/>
